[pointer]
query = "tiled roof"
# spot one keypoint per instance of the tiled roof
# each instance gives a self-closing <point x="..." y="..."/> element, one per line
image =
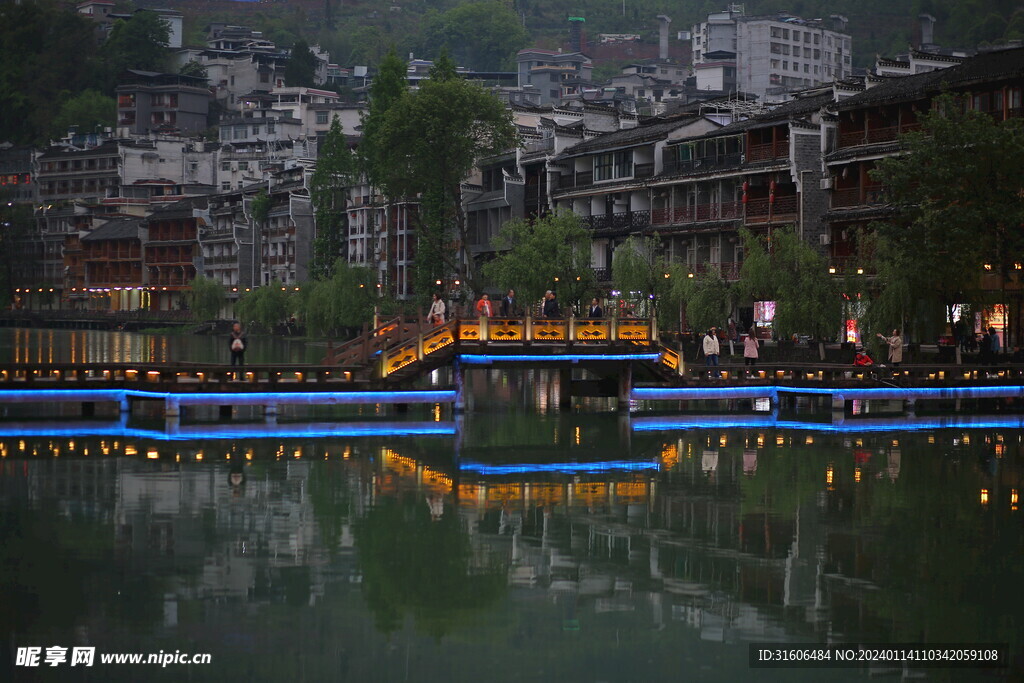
<point x="179" y="209"/>
<point x="650" y="130"/>
<point x="115" y="229"/>
<point x="990" y="67"/>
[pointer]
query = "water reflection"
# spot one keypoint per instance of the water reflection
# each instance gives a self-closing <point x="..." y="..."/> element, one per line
<point x="31" y="345"/>
<point x="386" y="558"/>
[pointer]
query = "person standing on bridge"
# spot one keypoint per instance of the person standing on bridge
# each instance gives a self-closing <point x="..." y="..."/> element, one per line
<point x="484" y="308"/>
<point x="508" y="305"/>
<point x="237" y="342"/>
<point x="551" y="309"/>
<point x="596" y="312"/>
<point x="750" y="348"/>
<point x="436" y="314"/>
<point x="895" y="343"/>
<point x="711" y="350"/>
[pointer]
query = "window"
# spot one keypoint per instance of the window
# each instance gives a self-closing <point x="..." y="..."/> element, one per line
<point x="817" y="39"/>
<point x="796" y="35"/>
<point x="807" y="68"/>
<point x="232" y="80"/>
<point x="225" y="186"/>
<point x="243" y="165"/>
<point x="553" y="94"/>
<point x="785" y="34"/>
<point x="255" y="130"/>
<point x="776" y="32"/>
<point x="624" y="164"/>
<point x="264" y="77"/>
<point x="775" y="64"/>
<point x="815" y="70"/>
<point x="270" y="127"/>
<point x="785" y="65"/>
<point x="239" y="132"/>
<point x="817" y="54"/>
<point x="807" y="53"/>
<point x="321" y="117"/>
<point x="225" y="165"/>
<point x="603" y="167"/>
<point x="553" y="78"/>
<point x="785" y="49"/>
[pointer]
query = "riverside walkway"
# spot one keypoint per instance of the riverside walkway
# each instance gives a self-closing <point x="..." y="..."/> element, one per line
<point x="387" y="365"/>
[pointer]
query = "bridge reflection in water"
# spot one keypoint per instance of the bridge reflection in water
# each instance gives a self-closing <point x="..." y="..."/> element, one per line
<point x="717" y="535"/>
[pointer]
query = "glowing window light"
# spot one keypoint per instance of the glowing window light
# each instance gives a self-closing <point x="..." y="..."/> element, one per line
<point x="984" y="496"/>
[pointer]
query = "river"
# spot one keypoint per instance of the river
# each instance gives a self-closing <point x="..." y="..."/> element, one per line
<point x="515" y="543"/>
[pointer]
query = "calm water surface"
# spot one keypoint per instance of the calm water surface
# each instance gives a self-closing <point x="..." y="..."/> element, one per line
<point x="518" y="544"/>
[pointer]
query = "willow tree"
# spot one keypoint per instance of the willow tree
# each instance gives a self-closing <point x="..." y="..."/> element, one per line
<point x="205" y="298"/>
<point x="344" y="300"/>
<point x="795" y="276"/>
<point x="642" y="271"/>
<point x="266" y="306"/>
<point x="335" y="170"/>
<point x="956" y="196"/>
<point x="426" y="145"/>
<point x="552" y="252"/>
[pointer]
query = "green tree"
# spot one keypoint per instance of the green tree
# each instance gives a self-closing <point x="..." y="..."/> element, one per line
<point x="16" y="224"/>
<point x="956" y="195"/>
<point x="193" y="68"/>
<point x="88" y="110"/>
<point x="552" y="252"/>
<point x="481" y="35"/>
<point x="428" y="143"/>
<point x="641" y="271"/>
<point x="795" y="276"/>
<point x="137" y="43"/>
<point x="708" y="297"/>
<point x="301" y="67"/>
<point x="344" y="300"/>
<point x="266" y="306"/>
<point x="205" y="298"/>
<point x="46" y="50"/>
<point x="389" y="86"/>
<point x="335" y="170"/>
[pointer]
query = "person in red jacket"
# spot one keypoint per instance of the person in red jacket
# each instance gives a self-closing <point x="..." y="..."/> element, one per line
<point x="484" y="307"/>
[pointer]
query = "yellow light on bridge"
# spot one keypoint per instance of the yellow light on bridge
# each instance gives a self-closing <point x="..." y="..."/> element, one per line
<point x="856" y="474"/>
<point x="984" y="496"/>
<point x="829" y="475"/>
<point x="151" y="454"/>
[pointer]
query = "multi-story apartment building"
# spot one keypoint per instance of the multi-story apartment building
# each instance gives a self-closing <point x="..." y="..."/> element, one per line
<point x="226" y="241"/>
<point x="554" y="74"/>
<point x="148" y="102"/>
<point x="770" y="56"/>
<point x="112" y="257"/>
<point x="170" y="250"/>
<point x="16" y="176"/>
<point x="865" y="127"/>
<point x="88" y="174"/>
<point x="286" y="241"/>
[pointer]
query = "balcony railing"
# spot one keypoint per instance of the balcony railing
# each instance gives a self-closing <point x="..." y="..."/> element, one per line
<point x="853" y="196"/>
<point x="874" y="136"/>
<point x="703" y="164"/>
<point x="626" y="221"/>
<point x="768" y="151"/>
<point x="766" y="211"/>
<point x="602" y="274"/>
<point x="697" y="213"/>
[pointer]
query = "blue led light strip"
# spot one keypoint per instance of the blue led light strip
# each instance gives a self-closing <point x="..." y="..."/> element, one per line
<point x="846" y="393"/>
<point x="482" y="359"/>
<point x="225" y="398"/>
<point x="865" y="424"/>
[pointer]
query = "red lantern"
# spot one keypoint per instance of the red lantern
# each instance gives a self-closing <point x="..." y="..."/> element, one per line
<point x="771" y="193"/>
<point x="746" y="188"/>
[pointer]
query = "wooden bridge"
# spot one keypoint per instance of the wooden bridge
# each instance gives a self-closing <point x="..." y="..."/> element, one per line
<point x="382" y="366"/>
<point x="400" y="350"/>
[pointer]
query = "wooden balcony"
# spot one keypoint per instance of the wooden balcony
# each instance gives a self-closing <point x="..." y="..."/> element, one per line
<point x="768" y="151"/>
<point x="874" y="136"/>
<point x="766" y="211"/>
<point x="856" y="196"/>
<point x="697" y="213"/>
<point x="628" y="221"/>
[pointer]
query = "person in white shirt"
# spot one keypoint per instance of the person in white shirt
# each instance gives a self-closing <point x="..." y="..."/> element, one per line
<point x="711" y="349"/>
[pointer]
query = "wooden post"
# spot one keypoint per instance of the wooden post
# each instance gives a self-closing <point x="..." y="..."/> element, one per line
<point x="420" y="355"/>
<point x="613" y="328"/>
<point x="654" y="329"/>
<point x="484" y="329"/>
<point x="570" y="334"/>
<point x="528" y="328"/>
